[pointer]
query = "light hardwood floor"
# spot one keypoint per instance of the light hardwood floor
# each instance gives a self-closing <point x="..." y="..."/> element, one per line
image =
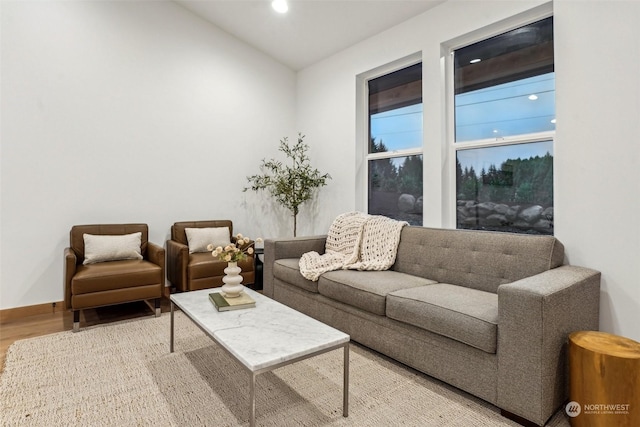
<point x="61" y="320"/>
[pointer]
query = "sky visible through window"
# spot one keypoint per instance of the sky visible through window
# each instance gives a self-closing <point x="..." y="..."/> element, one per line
<point x="398" y="129"/>
<point x="515" y="108"/>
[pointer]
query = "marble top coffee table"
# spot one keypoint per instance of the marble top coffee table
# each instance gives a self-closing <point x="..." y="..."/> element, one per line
<point x="263" y="338"/>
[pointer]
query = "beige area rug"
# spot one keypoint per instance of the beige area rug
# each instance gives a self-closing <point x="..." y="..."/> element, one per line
<point x="122" y="374"/>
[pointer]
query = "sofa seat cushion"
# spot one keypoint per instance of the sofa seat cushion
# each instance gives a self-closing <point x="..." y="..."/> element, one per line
<point x="366" y="290"/>
<point x="288" y="270"/>
<point x="203" y="264"/>
<point x="463" y="314"/>
<point x="106" y="276"/>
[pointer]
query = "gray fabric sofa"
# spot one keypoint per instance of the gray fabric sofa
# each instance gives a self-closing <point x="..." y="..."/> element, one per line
<point x="486" y="312"/>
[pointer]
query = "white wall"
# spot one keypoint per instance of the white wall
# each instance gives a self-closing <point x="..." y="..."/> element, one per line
<point x="597" y="150"/>
<point x="125" y="112"/>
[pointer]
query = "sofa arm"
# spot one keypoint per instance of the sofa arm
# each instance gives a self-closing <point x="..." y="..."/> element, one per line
<point x="155" y="253"/>
<point x="70" y="263"/>
<point x="177" y="261"/>
<point x="535" y="317"/>
<point x="287" y="248"/>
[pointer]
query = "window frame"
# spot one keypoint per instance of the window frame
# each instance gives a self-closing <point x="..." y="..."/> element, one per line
<point x="362" y="129"/>
<point x="452" y="147"/>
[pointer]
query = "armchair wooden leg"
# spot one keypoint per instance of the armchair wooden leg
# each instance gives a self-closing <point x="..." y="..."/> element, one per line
<point x="76" y="320"/>
<point x="157" y="305"/>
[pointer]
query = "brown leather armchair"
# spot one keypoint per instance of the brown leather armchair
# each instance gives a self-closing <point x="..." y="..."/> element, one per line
<point x="190" y="272"/>
<point x="112" y="282"/>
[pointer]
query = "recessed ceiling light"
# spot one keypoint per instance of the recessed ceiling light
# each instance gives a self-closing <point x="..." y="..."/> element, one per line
<point x="475" y="61"/>
<point x="533" y="97"/>
<point x="280" y="6"/>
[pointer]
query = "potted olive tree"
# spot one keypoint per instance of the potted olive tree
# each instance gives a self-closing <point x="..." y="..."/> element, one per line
<point x="290" y="184"/>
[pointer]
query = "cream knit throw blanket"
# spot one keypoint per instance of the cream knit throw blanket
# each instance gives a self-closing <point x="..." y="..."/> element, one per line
<point x="355" y="241"/>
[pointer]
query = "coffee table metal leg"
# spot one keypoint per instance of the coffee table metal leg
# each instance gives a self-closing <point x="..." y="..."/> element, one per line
<point x="345" y="391"/>
<point x="171" y="339"/>
<point x="252" y="403"/>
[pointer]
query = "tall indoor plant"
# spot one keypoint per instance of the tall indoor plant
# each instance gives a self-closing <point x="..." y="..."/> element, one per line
<point x="290" y="184"/>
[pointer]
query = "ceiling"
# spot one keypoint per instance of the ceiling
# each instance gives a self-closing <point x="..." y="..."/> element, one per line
<point x="311" y="30"/>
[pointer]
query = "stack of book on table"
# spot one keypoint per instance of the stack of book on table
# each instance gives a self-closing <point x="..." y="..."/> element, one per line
<point x="221" y="303"/>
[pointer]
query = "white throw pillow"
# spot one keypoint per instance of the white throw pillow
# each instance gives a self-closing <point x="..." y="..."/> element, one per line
<point x="99" y="248"/>
<point x="200" y="238"/>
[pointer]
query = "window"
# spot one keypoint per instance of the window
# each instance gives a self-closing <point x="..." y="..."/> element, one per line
<point x="504" y="123"/>
<point x="394" y="159"/>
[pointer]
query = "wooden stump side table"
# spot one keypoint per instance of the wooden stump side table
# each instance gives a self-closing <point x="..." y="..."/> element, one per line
<point x="604" y="380"/>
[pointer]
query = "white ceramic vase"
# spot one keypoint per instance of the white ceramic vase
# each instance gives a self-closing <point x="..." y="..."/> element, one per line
<point x="232" y="281"/>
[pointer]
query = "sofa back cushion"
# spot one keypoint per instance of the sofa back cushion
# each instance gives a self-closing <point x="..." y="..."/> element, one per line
<point x="481" y="260"/>
<point x="178" y="229"/>
<point x="78" y="231"/>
